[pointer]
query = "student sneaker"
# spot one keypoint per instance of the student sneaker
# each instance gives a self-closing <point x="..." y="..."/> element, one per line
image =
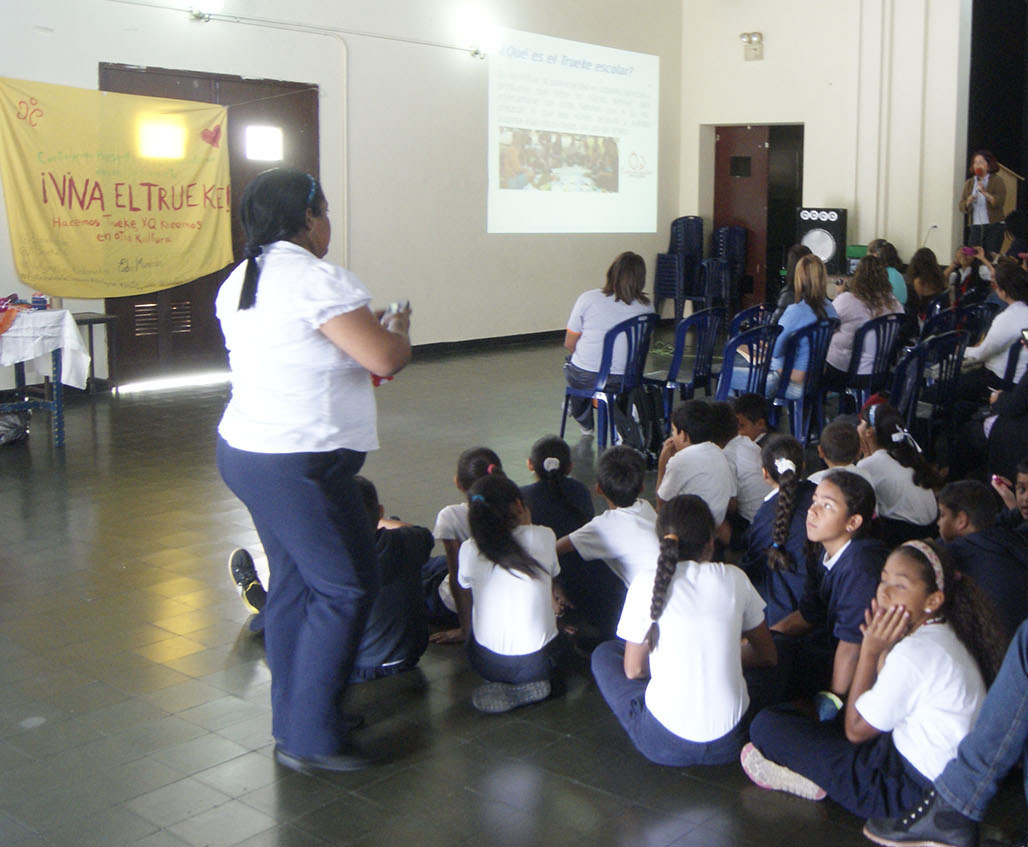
<point x="497" y="697"/>
<point x="244" y="575"/>
<point x="774" y="777"/>
<point x="931" y="823"/>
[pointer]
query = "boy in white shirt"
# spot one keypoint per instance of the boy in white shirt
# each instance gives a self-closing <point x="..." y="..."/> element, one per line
<point x="623" y="537"/>
<point x="839" y="448"/>
<point x="691" y="463"/>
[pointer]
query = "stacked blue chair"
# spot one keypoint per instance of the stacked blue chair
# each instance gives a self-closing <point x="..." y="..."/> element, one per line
<point x="758" y="344"/>
<point x="705" y="326"/>
<point x="675" y="272"/>
<point x="809" y="406"/>
<point x="713" y="284"/>
<point x="729" y="243"/>
<point x="636" y="332"/>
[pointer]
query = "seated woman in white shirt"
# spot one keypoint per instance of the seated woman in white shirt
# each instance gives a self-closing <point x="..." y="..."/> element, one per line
<point x="902" y="479"/>
<point x="1011" y="285"/>
<point x="595" y="312"/>
<point x="868" y="295"/>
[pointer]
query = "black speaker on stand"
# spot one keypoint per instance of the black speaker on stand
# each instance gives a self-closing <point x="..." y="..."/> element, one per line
<point x="824" y="232"/>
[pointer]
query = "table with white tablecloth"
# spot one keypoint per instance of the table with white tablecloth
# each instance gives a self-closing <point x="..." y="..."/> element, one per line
<point x="32" y="336"/>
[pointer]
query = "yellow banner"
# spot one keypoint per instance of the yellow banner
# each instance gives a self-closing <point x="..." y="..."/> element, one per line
<point x="112" y="194"/>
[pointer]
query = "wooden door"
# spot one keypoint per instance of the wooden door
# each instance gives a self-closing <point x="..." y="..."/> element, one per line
<point x="740" y="194"/>
<point x="175" y="329"/>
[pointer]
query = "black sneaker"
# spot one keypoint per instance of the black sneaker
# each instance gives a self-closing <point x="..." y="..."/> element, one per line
<point x="244" y="575"/>
<point x="931" y="823"/>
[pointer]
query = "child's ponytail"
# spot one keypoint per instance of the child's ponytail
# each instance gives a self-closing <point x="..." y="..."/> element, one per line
<point x="474" y="463"/>
<point x="551" y="461"/>
<point x="491" y="503"/>
<point x="685" y="527"/>
<point x="965" y="607"/>
<point x="891" y="434"/>
<point x="782" y="458"/>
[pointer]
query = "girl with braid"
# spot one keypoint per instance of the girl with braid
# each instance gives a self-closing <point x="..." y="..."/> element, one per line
<point x="929" y="647"/>
<point x="676" y="683"/>
<point x="776" y="542"/>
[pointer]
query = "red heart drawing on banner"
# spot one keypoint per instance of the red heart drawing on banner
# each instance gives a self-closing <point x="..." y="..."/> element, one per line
<point x="212" y="136"/>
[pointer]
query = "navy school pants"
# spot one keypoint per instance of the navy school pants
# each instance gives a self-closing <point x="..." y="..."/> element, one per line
<point x="318" y="539"/>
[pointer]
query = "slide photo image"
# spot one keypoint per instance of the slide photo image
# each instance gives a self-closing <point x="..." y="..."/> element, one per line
<point x="553" y="161"/>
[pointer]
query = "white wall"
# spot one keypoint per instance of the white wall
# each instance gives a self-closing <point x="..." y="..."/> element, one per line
<point x="879" y="85"/>
<point x="403" y="134"/>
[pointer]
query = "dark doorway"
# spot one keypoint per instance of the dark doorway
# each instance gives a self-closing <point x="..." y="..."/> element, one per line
<point x="175" y="330"/>
<point x="758" y="183"/>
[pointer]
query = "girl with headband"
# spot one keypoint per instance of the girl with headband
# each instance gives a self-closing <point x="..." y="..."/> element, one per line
<point x="676" y="681"/>
<point x="507" y="568"/>
<point x="929" y="650"/>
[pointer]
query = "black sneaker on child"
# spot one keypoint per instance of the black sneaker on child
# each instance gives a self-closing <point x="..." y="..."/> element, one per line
<point x="244" y="575"/>
<point x="931" y="823"/>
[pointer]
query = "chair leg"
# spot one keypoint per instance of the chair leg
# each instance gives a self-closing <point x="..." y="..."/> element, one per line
<point x="564" y="417"/>
<point x="601" y="423"/>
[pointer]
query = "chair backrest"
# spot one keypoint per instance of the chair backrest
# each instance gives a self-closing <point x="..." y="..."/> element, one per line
<point x="939" y="323"/>
<point x="687" y="236"/>
<point x="885" y="330"/>
<point x="1013" y="357"/>
<point x="749" y="318"/>
<point x="713" y="279"/>
<point x="939" y="303"/>
<point x="636" y="333"/>
<point x="943" y="355"/>
<point x="814" y="337"/>
<point x="975" y="319"/>
<point x="759" y="344"/>
<point x="905" y="385"/>
<point x="705" y="324"/>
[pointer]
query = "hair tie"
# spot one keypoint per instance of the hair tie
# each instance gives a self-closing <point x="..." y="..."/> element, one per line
<point x="775" y="545"/>
<point x="313" y="190"/>
<point x="252" y="251"/>
<point x="551" y="463"/>
<point x="932" y="557"/>
<point x="671" y="537"/>
<point x="872" y="413"/>
<point x="901" y="435"/>
<point x="490" y="468"/>
<point x="783" y="464"/>
<point x="477" y="498"/>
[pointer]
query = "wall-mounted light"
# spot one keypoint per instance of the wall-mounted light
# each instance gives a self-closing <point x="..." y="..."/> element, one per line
<point x="752" y="46"/>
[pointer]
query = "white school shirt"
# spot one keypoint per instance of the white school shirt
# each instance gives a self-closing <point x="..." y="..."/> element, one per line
<point x="743" y="457"/>
<point x="512" y="613"/>
<point x="696" y="688"/>
<point x="928" y="695"/>
<point x="895" y="492"/>
<point x="293" y="390"/>
<point x="625" y="538"/>
<point x="451" y="524"/>
<point x="1004" y="331"/>
<point x="818" y="476"/>
<point x="703" y="470"/>
<point x="592" y="315"/>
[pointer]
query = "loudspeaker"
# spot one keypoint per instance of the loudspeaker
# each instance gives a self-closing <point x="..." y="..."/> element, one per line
<point x="824" y="232"/>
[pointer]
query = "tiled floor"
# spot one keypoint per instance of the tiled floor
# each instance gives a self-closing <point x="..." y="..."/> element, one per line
<point x="134" y="702"/>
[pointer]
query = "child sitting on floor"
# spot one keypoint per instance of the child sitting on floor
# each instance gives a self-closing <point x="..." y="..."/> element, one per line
<point x="838" y="447"/>
<point x="675" y="683"/>
<point x="927" y="652"/>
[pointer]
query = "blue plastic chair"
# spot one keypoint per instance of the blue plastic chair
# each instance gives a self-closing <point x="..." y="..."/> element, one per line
<point x="810" y="405"/>
<point x="885" y="330"/>
<point x="1010" y="372"/>
<point x="975" y="319"/>
<point x="905" y="384"/>
<point x="705" y="326"/>
<point x="713" y="284"/>
<point x="637" y="332"/>
<point x="729" y="243"/>
<point x="759" y="344"/>
<point x="942" y="321"/>
<point x="943" y="356"/>
<point x="749" y="318"/>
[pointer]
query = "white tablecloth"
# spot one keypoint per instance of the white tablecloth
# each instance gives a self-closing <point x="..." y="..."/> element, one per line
<point x="34" y="335"/>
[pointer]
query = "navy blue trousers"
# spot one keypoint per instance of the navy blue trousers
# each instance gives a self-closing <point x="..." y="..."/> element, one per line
<point x="320" y="548"/>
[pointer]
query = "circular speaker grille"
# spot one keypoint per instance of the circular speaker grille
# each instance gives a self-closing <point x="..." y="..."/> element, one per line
<point x="821" y="243"/>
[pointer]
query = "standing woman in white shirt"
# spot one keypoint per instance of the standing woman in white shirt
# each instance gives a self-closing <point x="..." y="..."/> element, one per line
<point x="595" y="312"/>
<point x="302" y="346"/>
<point x="675" y="683"/>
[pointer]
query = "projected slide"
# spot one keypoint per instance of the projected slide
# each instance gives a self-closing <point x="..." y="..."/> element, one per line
<point x="573" y="131"/>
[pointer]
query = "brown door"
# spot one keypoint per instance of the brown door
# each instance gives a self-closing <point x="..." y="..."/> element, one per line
<point x="175" y="329"/>
<point x="740" y="194"/>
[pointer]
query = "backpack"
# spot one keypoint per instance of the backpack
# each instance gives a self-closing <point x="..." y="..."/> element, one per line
<point x="14" y="427"/>
<point x="639" y="420"/>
